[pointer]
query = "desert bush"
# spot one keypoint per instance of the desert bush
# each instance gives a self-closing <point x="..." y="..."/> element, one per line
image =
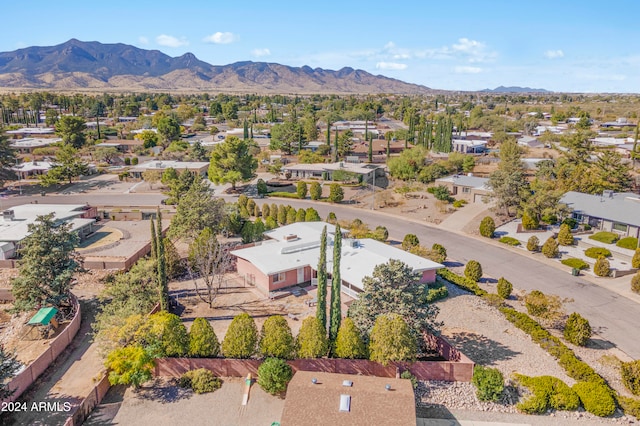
<point x="473" y="270"/>
<point x="596" y="398"/>
<point x="406" y="374"/>
<point x="544" y="306"/>
<point x="409" y="241"/>
<point x="241" y="337"/>
<point x="273" y="375"/>
<point x="504" y="288"/>
<point x="635" y="283"/>
<point x="440" y="249"/>
<point x="436" y="292"/>
<point x="315" y="191"/>
<point x="203" y="341"/>
<point x="510" y="241"/>
<point x="459" y="203"/>
<point x="602" y="268"/>
<point x="550" y="248"/>
<point x="301" y="190"/>
<point x="635" y="261"/>
<point x="130" y="365"/>
<point x="596" y="252"/>
<point x="276" y="339"/>
<point x="630" y="406"/>
<point x="546" y="392"/>
<point x="487" y="227"/>
<point x="336" y="194"/>
<point x="200" y="381"/>
<point x="630" y="373"/>
<point x="391" y="340"/>
<point x="460" y="281"/>
<point x="533" y="244"/>
<point x="349" y="343"/>
<point x="605" y="237"/>
<point x="630" y="243"/>
<point x="573" y="262"/>
<point x="493" y="299"/>
<point x="577" y="330"/>
<point x="312" y="339"/>
<point x="489" y="383"/>
<point x="530" y="222"/>
<point x="565" y="237"/>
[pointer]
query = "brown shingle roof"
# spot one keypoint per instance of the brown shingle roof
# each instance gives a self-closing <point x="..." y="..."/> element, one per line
<point x="309" y="404"/>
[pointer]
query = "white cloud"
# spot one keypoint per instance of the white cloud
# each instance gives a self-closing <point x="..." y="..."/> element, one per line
<point x="391" y="66"/>
<point x="220" y="38"/>
<point x="554" y="54"/>
<point x="171" y="41"/>
<point x="143" y="40"/>
<point x="467" y="70"/>
<point x="260" y="52"/>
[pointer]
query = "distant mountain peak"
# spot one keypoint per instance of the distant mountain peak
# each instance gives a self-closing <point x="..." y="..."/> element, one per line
<point x="76" y="65"/>
<point x="515" y="89"/>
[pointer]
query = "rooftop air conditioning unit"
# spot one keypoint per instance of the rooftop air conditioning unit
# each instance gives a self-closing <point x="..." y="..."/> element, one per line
<point x="8" y="215"/>
<point x="290" y="237"/>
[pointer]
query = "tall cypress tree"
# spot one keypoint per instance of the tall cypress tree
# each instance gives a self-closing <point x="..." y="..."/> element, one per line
<point x="163" y="283"/>
<point x="321" y="307"/>
<point x="154" y="241"/>
<point x="335" y="314"/>
<point x="370" y="153"/>
<point x="335" y="146"/>
<point x="245" y="133"/>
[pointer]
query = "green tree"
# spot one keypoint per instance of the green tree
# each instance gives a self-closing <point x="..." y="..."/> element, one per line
<point x="131" y="365"/>
<point x="48" y="264"/>
<point x="473" y="270"/>
<point x="282" y="215"/>
<point x="9" y="366"/>
<point x="321" y="307"/>
<point x="487" y="227"/>
<point x="203" y="341"/>
<point x="149" y="138"/>
<point x="335" y="312"/>
<point x="602" y="268"/>
<point x="391" y="340"/>
<point x="409" y="241"/>
<point x="276" y="339"/>
<point x="315" y="191"/>
<point x="50" y="117"/>
<point x="550" y="248"/>
<point x="349" y="343"/>
<point x="533" y="243"/>
<point x="312" y="339"/>
<point x="273" y="375"/>
<point x="67" y="165"/>
<point x="262" y="187"/>
<point x="565" y="237"/>
<point x="71" y="129"/>
<point x="529" y="222"/>
<point x="168" y="129"/>
<point x="7" y="158"/>
<point x="635" y="260"/>
<point x="291" y="215"/>
<point x="163" y="281"/>
<point x="312" y="215"/>
<point x="208" y="262"/>
<point x="504" y="288"/>
<point x="336" y="194"/>
<point x="175" y="267"/>
<point x="286" y="137"/>
<point x="301" y="190"/>
<point x="489" y="383"/>
<point x="508" y="182"/>
<point x="577" y="329"/>
<point x="232" y="161"/>
<point x="196" y="211"/>
<point x="394" y="288"/>
<point x="241" y="338"/>
<point x="440" y="250"/>
<point x="164" y="334"/>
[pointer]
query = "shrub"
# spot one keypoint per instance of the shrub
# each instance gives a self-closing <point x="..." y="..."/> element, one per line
<point x="164" y="334"/>
<point x="134" y="161"/>
<point x="530" y="222"/>
<point x="487" y="227"/>
<point x="301" y="190"/>
<point x="547" y="392"/>
<point x="630" y="243"/>
<point x="276" y="339"/>
<point x="510" y="241"/>
<point x="251" y="206"/>
<point x="127" y="161"/>
<point x="596" y="252"/>
<point x="550" y="248"/>
<point x="380" y="233"/>
<point x="315" y="191"/>
<point x="311" y="215"/>
<point x="565" y="237"/>
<point x="130" y="365"/>
<point x="203" y="341"/>
<point x="461" y="281"/>
<point x="409" y="241"/>
<point x="283" y="194"/>
<point x="391" y="340"/>
<point x="602" y="268"/>
<point x="630" y="406"/>
<point x="312" y="339"/>
<point x="336" y="194"/>
<point x="493" y="299"/>
<point x="489" y="383"/>
<point x="262" y="187"/>
<point x="331" y="218"/>
<point x="573" y="262"/>
<point x="533" y="244"/>
<point x="571" y="222"/>
<point x="596" y="398"/>
<point x="577" y="330"/>
<point x="504" y="288"/>
<point x="630" y="372"/>
<point x="273" y="375"/>
<point x="406" y="374"/>
<point x="440" y="249"/>
<point x="436" y="293"/>
<point x="473" y="270"/>
<point x="459" y="203"/>
<point x="349" y="343"/>
<point x="301" y="214"/>
<point x="540" y="305"/>
<point x="241" y="338"/>
<point x="605" y="237"/>
<point x="200" y="381"/>
<point x="635" y="283"/>
<point x="635" y="261"/>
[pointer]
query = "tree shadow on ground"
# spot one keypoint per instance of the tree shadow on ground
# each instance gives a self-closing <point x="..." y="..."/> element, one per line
<point x="481" y="349"/>
<point x="451" y="264"/>
<point x="488" y="281"/>
<point x="165" y="392"/>
<point x="599" y="344"/>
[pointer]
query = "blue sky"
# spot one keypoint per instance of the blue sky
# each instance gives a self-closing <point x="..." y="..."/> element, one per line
<point x="583" y="46"/>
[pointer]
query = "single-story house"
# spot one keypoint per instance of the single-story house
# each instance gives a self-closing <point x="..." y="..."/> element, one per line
<point x="472" y="188"/>
<point x="199" y="167"/>
<point x="14" y="222"/>
<point x="530" y="142"/>
<point x="467" y="146"/>
<point x="379" y="147"/>
<point x="27" y="145"/>
<point x="291" y="253"/>
<point x="620" y="122"/>
<point x="32" y="168"/>
<point x="32" y="131"/>
<point x="473" y="134"/>
<point x="122" y="145"/>
<point x="611" y="211"/>
<point x="315" y="397"/>
<point x="326" y="170"/>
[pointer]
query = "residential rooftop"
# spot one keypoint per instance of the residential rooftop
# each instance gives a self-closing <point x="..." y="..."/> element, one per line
<point x="622" y="207"/>
<point x="16" y="228"/>
<point x="465" y="180"/>
<point x="33" y="142"/>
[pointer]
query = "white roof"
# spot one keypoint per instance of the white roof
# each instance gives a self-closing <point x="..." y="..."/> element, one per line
<point x="468" y="142"/>
<point x="360" y="168"/>
<point x="33" y="142"/>
<point x="358" y="259"/>
<point x="31" y="130"/>
<point x="163" y="165"/>
<point x="474" y="182"/>
<point x="18" y="228"/>
<point x="609" y="141"/>
<point x="31" y="166"/>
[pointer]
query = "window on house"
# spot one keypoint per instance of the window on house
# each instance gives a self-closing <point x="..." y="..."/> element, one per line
<point x="578" y="217"/>
<point x="277" y="278"/>
<point x="620" y="227"/>
<point x="466" y="190"/>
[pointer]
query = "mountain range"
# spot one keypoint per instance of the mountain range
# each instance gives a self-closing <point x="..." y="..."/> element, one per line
<point x="515" y="89"/>
<point x="78" y="65"/>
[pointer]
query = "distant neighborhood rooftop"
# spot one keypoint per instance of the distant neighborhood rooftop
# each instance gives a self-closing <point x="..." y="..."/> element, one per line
<point x="14" y="222"/>
<point x="474" y="182"/>
<point x="31" y="131"/>
<point x="33" y="142"/>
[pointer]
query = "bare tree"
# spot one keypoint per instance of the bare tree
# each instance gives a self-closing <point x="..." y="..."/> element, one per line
<point x="208" y="262"/>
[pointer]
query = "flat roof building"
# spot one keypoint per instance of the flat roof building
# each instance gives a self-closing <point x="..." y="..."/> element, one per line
<point x="199" y="167"/>
<point x="610" y="211"/>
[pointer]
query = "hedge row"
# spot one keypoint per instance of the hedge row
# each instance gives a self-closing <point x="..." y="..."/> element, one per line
<point x="437" y="292"/>
<point x="573" y="262"/>
<point x="283" y="194"/>
<point x="462" y="282"/>
<point x="630" y="243"/>
<point x="510" y="241"/>
<point x="597" y="252"/>
<point x="605" y="237"/>
<point x="546" y="392"/>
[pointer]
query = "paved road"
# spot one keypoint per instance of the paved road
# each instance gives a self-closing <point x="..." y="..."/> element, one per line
<point x="612" y="316"/>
